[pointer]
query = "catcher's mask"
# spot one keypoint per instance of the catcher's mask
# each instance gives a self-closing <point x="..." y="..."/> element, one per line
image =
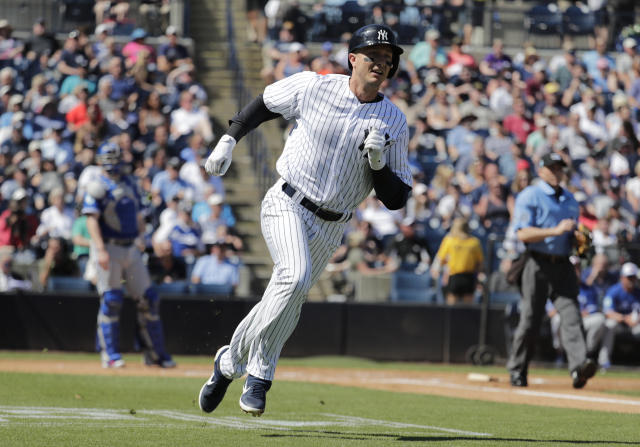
<point x="371" y="35"/>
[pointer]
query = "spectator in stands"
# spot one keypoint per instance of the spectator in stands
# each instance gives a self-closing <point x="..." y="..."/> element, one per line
<point x="496" y="61"/>
<point x="460" y="139"/>
<point x="621" y="305"/>
<point x="17" y="226"/>
<point x="409" y="248"/>
<point x="590" y="58"/>
<point x="425" y="55"/>
<point x="10" y="47"/>
<point x="457" y="58"/>
<point x="185" y="238"/>
<point x="462" y="254"/>
<point x="122" y="85"/>
<point x="9" y="280"/>
<point x="172" y="53"/>
<point x="168" y="184"/>
<point x="519" y="123"/>
<point x="293" y="62"/>
<point x="132" y="49"/>
<point x="495" y="207"/>
<point x="189" y="118"/>
<point x="442" y="114"/>
<point x="56" y="261"/>
<point x="73" y="60"/>
<point x="624" y="61"/>
<point x="475" y="105"/>
<point x="56" y="221"/>
<point x="16" y="141"/>
<point x="325" y="62"/>
<point x="40" y="41"/>
<point x="384" y="221"/>
<point x="215" y="268"/>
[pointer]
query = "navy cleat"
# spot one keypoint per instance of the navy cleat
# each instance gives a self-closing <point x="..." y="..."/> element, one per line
<point x="254" y="395"/>
<point x="584" y="372"/>
<point x="212" y="392"/>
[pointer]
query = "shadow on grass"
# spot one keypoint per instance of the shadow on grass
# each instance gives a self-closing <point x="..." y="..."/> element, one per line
<point x="443" y="439"/>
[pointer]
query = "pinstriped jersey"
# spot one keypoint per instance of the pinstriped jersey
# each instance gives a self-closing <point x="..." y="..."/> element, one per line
<point x="324" y="156"/>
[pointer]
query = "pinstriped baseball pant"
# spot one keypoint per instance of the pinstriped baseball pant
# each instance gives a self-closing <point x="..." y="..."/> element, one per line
<point x="300" y="245"/>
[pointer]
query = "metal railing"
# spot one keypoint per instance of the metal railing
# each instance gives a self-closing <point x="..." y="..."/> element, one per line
<point x="258" y="149"/>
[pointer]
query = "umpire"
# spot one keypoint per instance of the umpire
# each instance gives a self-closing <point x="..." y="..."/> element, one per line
<point x="545" y="219"/>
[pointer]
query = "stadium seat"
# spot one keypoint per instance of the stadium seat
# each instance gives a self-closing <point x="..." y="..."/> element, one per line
<point x="411" y="286"/>
<point x="211" y="289"/>
<point x="68" y="283"/>
<point x="544" y="22"/>
<point x="172" y="288"/>
<point x="577" y="21"/>
<point x="504" y="297"/>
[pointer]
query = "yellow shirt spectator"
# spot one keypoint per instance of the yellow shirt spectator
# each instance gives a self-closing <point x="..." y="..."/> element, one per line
<point x="461" y="254"/>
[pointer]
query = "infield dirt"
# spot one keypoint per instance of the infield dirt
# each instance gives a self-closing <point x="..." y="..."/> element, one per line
<point x="555" y="391"/>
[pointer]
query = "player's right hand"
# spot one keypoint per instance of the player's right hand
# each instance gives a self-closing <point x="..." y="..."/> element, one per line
<point x="374" y="143"/>
<point x="220" y="158"/>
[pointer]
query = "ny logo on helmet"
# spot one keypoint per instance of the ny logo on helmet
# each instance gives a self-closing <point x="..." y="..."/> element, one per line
<point x="382" y="35"/>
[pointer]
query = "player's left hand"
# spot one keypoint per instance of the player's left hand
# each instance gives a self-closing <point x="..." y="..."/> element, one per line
<point x="220" y="158"/>
<point x="376" y="144"/>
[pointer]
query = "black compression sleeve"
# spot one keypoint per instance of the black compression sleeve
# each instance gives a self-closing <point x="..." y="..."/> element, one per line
<point x="250" y="117"/>
<point x="391" y="191"/>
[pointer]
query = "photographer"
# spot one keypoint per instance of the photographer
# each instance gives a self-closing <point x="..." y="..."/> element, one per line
<point x="17" y="227"/>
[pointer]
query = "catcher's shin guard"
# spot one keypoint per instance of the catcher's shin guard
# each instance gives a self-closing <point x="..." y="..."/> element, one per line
<point x="150" y="333"/>
<point x="109" y="324"/>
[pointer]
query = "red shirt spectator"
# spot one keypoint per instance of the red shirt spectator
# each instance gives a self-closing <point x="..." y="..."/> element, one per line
<point x="518" y="123"/>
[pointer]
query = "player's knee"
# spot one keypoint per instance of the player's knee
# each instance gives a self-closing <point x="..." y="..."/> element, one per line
<point x="151" y="301"/>
<point x="112" y="303"/>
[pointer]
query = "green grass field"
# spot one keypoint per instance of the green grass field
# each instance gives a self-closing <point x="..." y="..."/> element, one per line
<point x="72" y="410"/>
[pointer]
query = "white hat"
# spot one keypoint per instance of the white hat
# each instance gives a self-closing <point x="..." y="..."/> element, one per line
<point x="419" y="188"/>
<point x="629" y="269"/>
<point x="171" y="30"/>
<point x="295" y="46"/>
<point x="21" y="193"/>
<point x="214" y="199"/>
<point x="16" y="99"/>
<point x="629" y="42"/>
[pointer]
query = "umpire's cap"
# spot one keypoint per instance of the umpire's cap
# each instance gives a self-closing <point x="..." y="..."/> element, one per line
<point x="370" y="35"/>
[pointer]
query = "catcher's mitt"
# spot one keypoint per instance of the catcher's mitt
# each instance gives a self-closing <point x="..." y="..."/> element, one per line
<point x="582" y="241"/>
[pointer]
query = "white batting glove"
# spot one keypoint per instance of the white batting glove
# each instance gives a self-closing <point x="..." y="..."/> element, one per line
<point x="375" y="146"/>
<point x="220" y="157"/>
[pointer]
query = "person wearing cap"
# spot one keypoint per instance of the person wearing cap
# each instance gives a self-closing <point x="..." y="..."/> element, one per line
<point x="73" y="60"/>
<point x="167" y="183"/>
<point x="137" y="44"/>
<point x="621" y="306"/>
<point x="293" y="62"/>
<point x="545" y="219"/>
<point x="17" y="141"/>
<point x="624" y="61"/>
<point x="17" y="225"/>
<point x="172" y="53"/>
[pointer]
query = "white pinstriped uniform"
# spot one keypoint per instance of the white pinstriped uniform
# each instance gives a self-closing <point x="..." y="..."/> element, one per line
<point x="324" y="160"/>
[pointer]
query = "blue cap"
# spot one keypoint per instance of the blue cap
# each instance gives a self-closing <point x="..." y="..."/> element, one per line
<point x="138" y="33"/>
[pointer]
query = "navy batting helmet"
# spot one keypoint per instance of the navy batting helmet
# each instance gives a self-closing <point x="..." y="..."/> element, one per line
<point x="370" y="35"/>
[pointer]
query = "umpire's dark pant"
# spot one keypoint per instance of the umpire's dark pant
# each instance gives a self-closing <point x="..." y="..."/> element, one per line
<point x="555" y="278"/>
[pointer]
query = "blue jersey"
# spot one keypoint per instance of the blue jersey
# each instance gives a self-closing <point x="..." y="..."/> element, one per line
<point x="588" y="299"/>
<point x="619" y="300"/>
<point x="184" y="237"/>
<point x="118" y="209"/>
<point x="536" y="206"/>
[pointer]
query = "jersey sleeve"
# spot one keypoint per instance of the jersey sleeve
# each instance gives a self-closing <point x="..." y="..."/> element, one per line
<point x="284" y="96"/>
<point x="523" y="214"/>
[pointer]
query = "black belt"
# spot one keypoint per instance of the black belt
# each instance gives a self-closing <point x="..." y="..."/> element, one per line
<point x="121" y="242"/>
<point x="553" y="259"/>
<point x="308" y="204"/>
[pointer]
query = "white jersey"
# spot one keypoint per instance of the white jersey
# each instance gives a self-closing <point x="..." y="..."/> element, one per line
<point x="324" y="157"/>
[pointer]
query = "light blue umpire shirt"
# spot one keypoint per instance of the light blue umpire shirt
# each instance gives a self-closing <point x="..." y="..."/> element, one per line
<point x="537" y="206"/>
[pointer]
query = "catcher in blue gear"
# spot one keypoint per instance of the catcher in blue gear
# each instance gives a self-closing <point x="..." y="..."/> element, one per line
<point x="112" y="205"/>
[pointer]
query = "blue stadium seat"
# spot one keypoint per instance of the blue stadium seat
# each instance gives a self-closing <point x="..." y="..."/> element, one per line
<point x="172" y="288"/>
<point x="211" y="289"/>
<point x="577" y="21"/>
<point x="410" y="286"/>
<point x="68" y="283"/>
<point x="543" y="19"/>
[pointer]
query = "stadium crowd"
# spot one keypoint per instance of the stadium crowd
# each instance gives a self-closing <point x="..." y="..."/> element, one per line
<point x="59" y="101"/>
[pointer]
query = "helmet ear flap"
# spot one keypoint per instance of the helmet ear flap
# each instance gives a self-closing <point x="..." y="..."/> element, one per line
<point x="396" y="63"/>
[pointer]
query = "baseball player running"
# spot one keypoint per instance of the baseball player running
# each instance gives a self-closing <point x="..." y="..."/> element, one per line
<point x="348" y="139"/>
<point x="112" y="205"/>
